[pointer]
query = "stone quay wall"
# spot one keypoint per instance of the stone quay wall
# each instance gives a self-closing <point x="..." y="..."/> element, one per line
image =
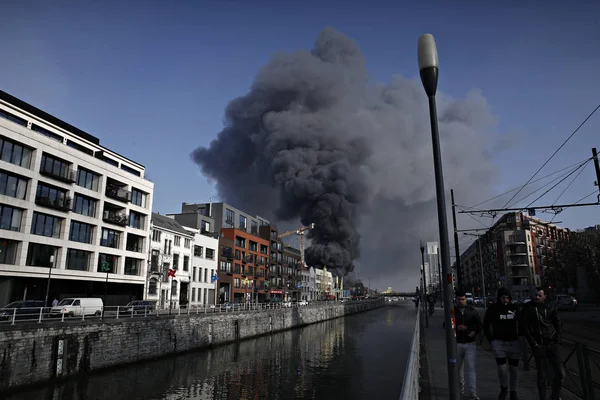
<point x="59" y="350"/>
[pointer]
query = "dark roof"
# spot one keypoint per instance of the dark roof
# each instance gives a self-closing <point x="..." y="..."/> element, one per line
<point x="168" y="223"/>
<point x="55" y="121"/>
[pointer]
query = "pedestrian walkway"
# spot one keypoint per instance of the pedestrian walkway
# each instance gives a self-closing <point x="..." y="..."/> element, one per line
<point x="488" y="387"/>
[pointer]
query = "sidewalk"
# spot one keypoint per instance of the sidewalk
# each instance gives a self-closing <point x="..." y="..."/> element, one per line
<point x="488" y="387"/>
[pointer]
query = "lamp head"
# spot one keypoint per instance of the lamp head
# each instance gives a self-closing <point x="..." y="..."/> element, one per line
<point x="428" y="63"/>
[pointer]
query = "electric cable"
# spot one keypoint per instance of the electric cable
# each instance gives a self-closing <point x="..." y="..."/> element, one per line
<point x="553" y="154"/>
<point x="534" y="181"/>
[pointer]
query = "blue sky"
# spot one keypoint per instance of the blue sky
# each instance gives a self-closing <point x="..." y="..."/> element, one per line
<point x="152" y="81"/>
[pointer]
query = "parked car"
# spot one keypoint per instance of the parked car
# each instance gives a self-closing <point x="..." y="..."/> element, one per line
<point x="72" y="307"/>
<point x="141" y="306"/>
<point x="23" y="309"/>
<point x="566" y="302"/>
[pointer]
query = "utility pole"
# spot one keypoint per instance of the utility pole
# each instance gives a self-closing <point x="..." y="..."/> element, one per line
<point x="597" y="167"/>
<point x="456" y="246"/>
<point x="439" y="265"/>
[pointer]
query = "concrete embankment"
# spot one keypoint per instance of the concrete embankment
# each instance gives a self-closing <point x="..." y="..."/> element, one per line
<point x="34" y="355"/>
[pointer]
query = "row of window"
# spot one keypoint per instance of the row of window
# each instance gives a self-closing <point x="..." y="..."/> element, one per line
<point x="52" y="135"/>
<point x="20" y="155"/>
<point x="40" y="255"/>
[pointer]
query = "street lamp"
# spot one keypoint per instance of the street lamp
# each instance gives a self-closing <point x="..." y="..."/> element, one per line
<point x="49" y="277"/>
<point x="428" y="69"/>
<point x="424" y="299"/>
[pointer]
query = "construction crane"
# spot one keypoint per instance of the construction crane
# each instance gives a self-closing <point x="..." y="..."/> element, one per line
<point x="300" y="232"/>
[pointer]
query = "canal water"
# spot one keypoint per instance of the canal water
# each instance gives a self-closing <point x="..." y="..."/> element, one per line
<point x="362" y="356"/>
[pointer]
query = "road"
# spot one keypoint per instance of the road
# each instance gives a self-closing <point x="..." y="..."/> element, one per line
<point x="362" y="356"/>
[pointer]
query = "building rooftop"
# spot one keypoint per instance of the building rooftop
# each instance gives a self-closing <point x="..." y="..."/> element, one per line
<point x="168" y="223"/>
<point x="20" y="104"/>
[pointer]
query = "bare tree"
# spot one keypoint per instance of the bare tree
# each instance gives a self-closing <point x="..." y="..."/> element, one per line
<point x="580" y="255"/>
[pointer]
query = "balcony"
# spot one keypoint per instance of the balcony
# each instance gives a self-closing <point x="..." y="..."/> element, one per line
<point x="64" y="174"/>
<point x="227" y="254"/>
<point x="115" y="217"/>
<point x="118" y="193"/>
<point x="60" y="203"/>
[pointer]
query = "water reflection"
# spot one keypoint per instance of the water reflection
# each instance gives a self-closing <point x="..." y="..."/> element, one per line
<point x="362" y="356"/>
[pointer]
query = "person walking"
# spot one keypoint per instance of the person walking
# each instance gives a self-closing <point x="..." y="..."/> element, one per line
<point x="501" y="328"/>
<point x="543" y="331"/>
<point x="468" y="325"/>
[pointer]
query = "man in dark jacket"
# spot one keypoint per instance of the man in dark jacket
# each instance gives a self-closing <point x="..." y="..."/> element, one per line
<point x="542" y="329"/>
<point x="501" y="328"/>
<point x="468" y="325"/>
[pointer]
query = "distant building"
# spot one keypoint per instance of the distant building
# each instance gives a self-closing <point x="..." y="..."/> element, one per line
<point x="70" y="204"/>
<point x="515" y="253"/>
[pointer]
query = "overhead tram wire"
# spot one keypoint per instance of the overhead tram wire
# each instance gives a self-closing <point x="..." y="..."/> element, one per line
<point x="562" y="179"/>
<point x="517" y="188"/>
<point x="547" y="191"/>
<point x="594" y="193"/>
<point x="553" y="154"/>
<point x="570" y="183"/>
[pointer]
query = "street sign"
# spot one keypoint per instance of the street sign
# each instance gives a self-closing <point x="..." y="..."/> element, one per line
<point x="105" y="266"/>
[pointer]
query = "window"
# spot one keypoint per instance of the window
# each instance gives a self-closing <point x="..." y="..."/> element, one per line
<point x="210" y="254"/>
<point x="173" y="288"/>
<point x="156" y="235"/>
<point x="13" y="118"/>
<point x="12" y="185"/>
<point x="8" y="251"/>
<point x="253" y="246"/>
<point x="204" y="227"/>
<point x="229" y="218"/>
<point x="110" y="238"/>
<point x="154" y="264"/>
<point x="225" y="267"/>
<point x="78" y="260"/>
<point x="46" y="225"/>
<point x="80" y="232"/>
<point x="134" y="243"/>
<point x="52" y="197"/>
<point x="38" y="255"/>
<point x="206" y="275"/>
<point x="84" y="205"/>
<point x="56" y="168"/>
<point x="198" y="251"/>
<point x="138" y="197"/>
<point x="10" y="218"/>
<point x="87" y="179"/>
<point x="46" y="132"/>
<point x="175" y="261"/>
<point x="74" y="145"/>
<point x="132" y="266"/>
<point x="130" y="170"/>
<point x="236" y="283"/>
<point x="253" y="227"/>
<point x="242" y="224"/>
<point x="15" y="153"/>
<point x="240" y="242"/>
<point x="136" y="220"/>
<point x="186" y="263"/>
<point x="167" y="249"/>
<point x="187" y="243"/>
<point x="107" y="263"/>
<point x="152" y="287"/>
<point x="177" y="240"/>
<point x="194" y="294"/>
<point x="194" y="271"/>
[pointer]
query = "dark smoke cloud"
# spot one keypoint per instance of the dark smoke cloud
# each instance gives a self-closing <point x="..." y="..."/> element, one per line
<point x="314" y="141"/>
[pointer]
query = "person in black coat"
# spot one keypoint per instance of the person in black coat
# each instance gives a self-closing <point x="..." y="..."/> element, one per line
<point x="502" y="329"/>
<point x="468" y="325"/>
<point x="543" y="331"/>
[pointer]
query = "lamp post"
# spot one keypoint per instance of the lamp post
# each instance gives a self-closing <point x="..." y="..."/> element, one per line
<point x="49" y="277"/>
<point x="424" y="299"/>
<point x="428" y="68"/>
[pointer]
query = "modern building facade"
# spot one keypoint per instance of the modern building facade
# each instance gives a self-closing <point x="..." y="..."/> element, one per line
<point x="515" y="253"/>
<point x="73" y="213"/>
<point x="205" y="266"/>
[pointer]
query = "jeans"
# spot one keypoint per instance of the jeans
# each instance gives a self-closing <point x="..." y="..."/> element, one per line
<point x="467" y="353"/>
<point x="549" y="354"/>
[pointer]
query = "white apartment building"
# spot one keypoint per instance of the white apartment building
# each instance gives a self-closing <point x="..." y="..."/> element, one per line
<point x="69" y="204"/>
<point x="204" y="267"/>
<point x="323" y="283"/>
<point x="191" y="258"/>
<point x="170" y="251"/>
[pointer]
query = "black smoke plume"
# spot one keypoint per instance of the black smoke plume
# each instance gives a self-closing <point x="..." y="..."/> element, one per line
<point x="313" y="140"/>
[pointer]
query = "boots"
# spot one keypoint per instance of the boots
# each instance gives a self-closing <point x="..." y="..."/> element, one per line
<point x="503" y="393"/>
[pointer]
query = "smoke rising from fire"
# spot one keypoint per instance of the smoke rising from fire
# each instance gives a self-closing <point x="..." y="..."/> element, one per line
<point x="313" y="140"/>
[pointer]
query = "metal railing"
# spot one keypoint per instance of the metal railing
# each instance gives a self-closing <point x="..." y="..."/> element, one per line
<point x="582" y="369"/>
<point x="42" y="315"/>
<point x="410" y="386"/>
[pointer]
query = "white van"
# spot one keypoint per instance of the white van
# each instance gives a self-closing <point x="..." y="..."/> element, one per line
<point x="78" y="306"/>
